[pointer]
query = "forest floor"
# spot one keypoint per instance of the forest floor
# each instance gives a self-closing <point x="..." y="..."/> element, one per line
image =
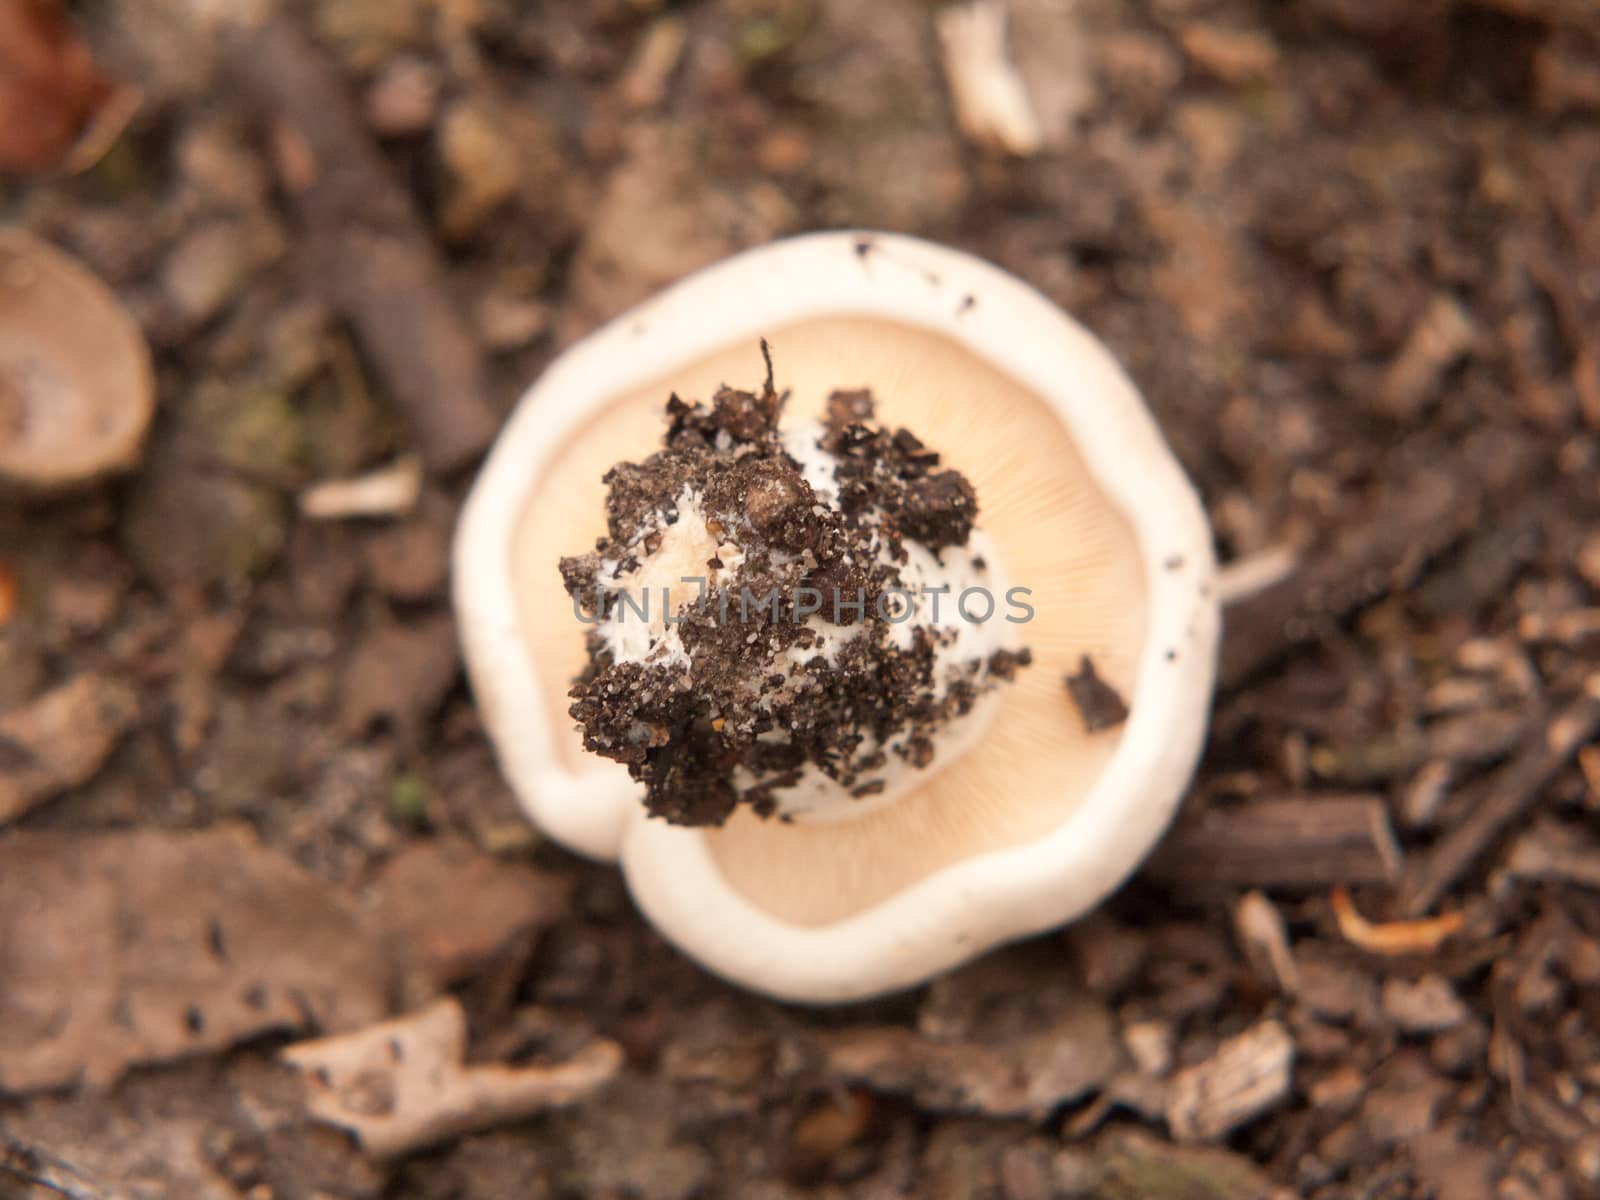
<point x="1349" y="249"/>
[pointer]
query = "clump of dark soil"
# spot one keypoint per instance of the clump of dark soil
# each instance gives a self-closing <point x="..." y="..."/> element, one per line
<point x="756" y="691"/>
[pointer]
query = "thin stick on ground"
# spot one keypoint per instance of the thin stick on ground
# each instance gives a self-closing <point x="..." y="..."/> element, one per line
<point x="365" y="245"/>
<point x="1502" y="799"/>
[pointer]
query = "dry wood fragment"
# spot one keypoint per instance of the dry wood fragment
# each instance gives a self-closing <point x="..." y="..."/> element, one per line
<point x="401" y="1084"/>
<point x="1293" y="842"/>
<point x="1441" y="335"/>
<point x="1246" y="1076"/>
<point x="1499" y="800"/>
<point x="1425" y="1005"/>
<point x="61" y="739"/>
<point x="365" y="245"/>
<point x="1555" y="852"/>
<point x="1261" y="932"/>
<point x="1410" y="523"/>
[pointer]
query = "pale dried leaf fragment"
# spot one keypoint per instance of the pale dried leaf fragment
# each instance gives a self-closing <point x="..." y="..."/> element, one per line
<point x="401" y="1085"/>
<point x="1246" y="1076"/>
<point x="126" y="948"/>
<point x="390" y="491"/>
<point x="991" y="101"/>
<point x="61" y="739"/>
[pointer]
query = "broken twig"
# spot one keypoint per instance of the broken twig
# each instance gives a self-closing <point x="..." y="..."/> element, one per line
<point x="367" y="245"/>
<point x="1500" y="800"/>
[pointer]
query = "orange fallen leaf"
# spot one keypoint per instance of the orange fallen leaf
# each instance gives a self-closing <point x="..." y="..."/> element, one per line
<point x="51" y="92"/>
<point x="1391" y="937"/>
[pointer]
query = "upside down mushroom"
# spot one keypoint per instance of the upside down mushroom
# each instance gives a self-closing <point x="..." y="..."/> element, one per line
<point x="848" y="595"/>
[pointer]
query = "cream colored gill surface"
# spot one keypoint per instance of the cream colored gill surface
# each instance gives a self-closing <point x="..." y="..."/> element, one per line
<point x="1057" y="534"/>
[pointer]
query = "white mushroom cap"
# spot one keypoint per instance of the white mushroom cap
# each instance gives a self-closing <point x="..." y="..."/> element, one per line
<point x="1040" y="820"/>
<point x="77" y="389"/>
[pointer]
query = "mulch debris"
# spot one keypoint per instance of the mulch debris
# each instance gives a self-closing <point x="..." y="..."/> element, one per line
<point x="1344" y="246"/>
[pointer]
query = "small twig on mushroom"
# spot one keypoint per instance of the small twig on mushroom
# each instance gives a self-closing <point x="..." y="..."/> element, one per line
<point x="401" y="1085"/>
<point x="370" y="249"/>
<point x="991" y="101"/>
<point x="1390" y="937"/>
<point x="1502" y="798"/>
<point x="390" y="491"/>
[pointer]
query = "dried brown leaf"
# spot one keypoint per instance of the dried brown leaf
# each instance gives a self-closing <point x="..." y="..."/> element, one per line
<point x="127" y="948"/>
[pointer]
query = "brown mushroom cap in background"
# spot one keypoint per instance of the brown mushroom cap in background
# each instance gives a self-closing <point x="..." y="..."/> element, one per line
<point x="77" y="389"/>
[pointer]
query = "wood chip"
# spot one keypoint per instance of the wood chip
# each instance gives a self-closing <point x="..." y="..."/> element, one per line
<point x="1391" y="937"/>
<point x="1248" y="1075"/>
<point x="1234" y="56"/>
<point x="61" y="739"/>
<point x="402" y="1085"/>
<point x="1261" y="932"/>
<point x="1298" y="842"/>
<point x="644" y="83"/>
<point x="1425" y="1005"/>
<point x="1554" y="852"/>
<point x="1441" y="335"/>
<point x="1501" y="799"/>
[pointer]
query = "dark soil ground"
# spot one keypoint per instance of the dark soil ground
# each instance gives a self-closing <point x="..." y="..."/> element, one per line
<point x="1350" y="249"/>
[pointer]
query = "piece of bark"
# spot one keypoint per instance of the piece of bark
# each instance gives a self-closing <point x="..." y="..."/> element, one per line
<point x="1295" y="842"/>
<point x="1499" y="800"/>
<point x="1562" y="853"/>
<point x="1126" y="1164"/>
<point x="401" y="1085"/>
<point x="365" y="246"/>
<point x="61" y="739"/>
<point x="1410" y="523"/>
<point x="1246" y="1076"/>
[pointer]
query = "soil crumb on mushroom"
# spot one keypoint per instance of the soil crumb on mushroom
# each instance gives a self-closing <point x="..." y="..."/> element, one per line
<point x="1098" y="703"/>
<point x="772" y="613"/>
